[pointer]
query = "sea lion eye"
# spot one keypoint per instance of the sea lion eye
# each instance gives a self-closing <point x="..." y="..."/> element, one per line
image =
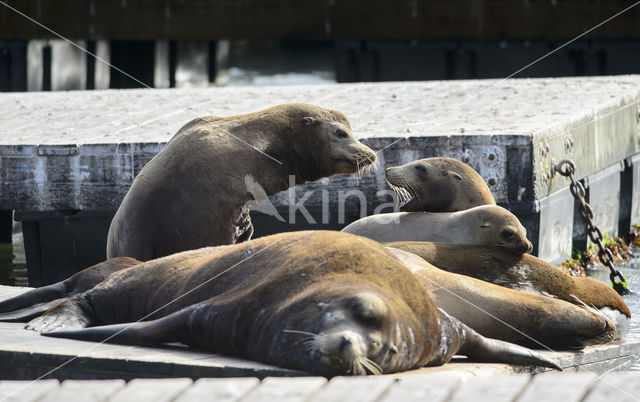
<point x="369" y="308"/>
<point x="341" y="133"/>
<point x="507" y="234"/>
<point x="420" y="169"/>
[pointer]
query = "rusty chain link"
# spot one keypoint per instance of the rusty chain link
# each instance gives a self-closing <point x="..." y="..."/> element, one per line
<point x="567" y="168"/>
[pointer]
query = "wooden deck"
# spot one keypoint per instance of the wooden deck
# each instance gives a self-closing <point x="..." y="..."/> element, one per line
<point x="550" y="387"/>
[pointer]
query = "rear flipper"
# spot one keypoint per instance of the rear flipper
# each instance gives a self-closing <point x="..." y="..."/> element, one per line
<point x="69" y="315"/>
<point x="28" y="313"/>
<point x="33" y="297"/>
<point x="36" y="301"/>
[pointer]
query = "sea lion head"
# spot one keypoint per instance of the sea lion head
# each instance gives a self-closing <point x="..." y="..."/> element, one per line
<point x="353" y="329"/>
<point x="324" y="138"/>
<point x="498" y="227"/>
<point x="438" y="185"/>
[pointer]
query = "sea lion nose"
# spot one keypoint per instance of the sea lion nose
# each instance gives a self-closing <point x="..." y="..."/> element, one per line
<point x="345" y="342"/>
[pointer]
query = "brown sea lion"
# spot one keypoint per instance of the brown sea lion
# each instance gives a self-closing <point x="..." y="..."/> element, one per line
<point x="489" y="225"/>
<point x="438" y="185"/>
<point x="194" y="193"/>
<point x="525" y="273"/>
<point x="510" y="315"/>
<point x="320" y="302"/>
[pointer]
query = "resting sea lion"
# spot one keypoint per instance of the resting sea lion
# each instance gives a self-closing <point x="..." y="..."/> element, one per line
<point x="489" y="225"/>
<point x="194" y="192"/>
<point x="320" y="302"/>
<point x="523" y="272"/>
<point x="438" y="185"/>
<point x="510" y="315"/>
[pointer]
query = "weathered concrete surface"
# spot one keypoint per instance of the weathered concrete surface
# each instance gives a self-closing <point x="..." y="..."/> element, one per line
<point x="81" y="150"/>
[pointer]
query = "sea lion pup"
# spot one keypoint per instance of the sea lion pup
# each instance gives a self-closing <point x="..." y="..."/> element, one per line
<point x="523" y="272"/>
<point x="320" y="302"/>
<point x="196" y="191"/>
<point x="489" y="225"/>
<point x="438" y="185"/>
<point x="510" y="315"/>
<point x="36" y="301"/>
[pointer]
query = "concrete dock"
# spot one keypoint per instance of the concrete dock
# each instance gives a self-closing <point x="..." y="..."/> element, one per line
<point x="68" y="158"/>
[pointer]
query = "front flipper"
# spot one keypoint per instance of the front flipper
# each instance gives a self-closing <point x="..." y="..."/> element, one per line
<point x="144" y="333"/>
<point x="463" y="340"/>
<point x="490" y="350"/>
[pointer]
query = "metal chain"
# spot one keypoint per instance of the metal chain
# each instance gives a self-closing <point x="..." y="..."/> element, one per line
<point x="567" y="168"/>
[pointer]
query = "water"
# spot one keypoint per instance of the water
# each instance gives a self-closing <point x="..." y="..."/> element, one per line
<point x="13" y="264"/>
<point x="631" y="271"/>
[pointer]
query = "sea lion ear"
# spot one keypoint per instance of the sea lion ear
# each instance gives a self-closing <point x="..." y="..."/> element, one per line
<point x="456" y="175"/>
<point x="308" y="120"/>
<point x="485" y="224"/>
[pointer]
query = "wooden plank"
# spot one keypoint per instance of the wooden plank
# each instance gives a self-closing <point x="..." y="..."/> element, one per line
<point x="86" y="391"/>
<point x="558" y="387"/>
<point x="358" y="389"/>
<point x="285" y="389"/>
<point x="433" y="388"/>
<point x="218" y="389"/>
<point x="318" y="19"/>
<point x="616" y="386"/>
<point x="495" y="389"/>
<point x="146" y="390"/>
<point x="26" y="391"/>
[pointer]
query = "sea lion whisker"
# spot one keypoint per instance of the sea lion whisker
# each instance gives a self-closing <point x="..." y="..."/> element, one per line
<point x="295" y="331"/>
<point x="360" y="368"/>
<point x="373" y="367"/>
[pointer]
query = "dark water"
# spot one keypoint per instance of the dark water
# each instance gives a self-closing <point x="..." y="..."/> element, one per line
<point x="13" y="265"/>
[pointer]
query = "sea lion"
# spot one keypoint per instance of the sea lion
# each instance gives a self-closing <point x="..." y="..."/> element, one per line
<point x="510" y="315"/>
<point x="320" y="302"/>
<point x="438" y="185"/>
<point x="489" y="225"/>
<point x="194" y="192"/>
<point x="525" y="273"/>
<point x="36" y="301"/>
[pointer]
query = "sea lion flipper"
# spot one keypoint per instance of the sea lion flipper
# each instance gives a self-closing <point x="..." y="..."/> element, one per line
<point x="145" y="333"/>
<point x="36" y="301"/>
<point x="28" y="313"/>
<point x="68" y="314"/>
<point x="494" y="350"/>
<point x="477" y="347"/>
<point x="32" y="297"/>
